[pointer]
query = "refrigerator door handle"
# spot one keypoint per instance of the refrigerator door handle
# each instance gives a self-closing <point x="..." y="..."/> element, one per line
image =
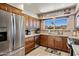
<point x="11" y="33"/>
<point x="14" y="31"/>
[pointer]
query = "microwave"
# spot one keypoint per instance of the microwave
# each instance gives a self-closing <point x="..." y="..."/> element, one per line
<point x="3" y="36"/>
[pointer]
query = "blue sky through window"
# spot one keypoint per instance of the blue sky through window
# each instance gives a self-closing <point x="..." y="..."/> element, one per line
<point x="57" y="22"/>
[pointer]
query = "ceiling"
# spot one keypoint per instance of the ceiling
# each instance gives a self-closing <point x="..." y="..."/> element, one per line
<point x="45" y="7"/>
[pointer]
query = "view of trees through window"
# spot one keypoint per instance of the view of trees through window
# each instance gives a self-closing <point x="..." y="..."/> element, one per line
<point x="58" y="23"/>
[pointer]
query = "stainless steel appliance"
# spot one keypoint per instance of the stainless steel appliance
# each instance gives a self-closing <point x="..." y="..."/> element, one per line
<point x="12" y="33"/>
<point x="70" y="42"/>
<point x="37" y="41"/>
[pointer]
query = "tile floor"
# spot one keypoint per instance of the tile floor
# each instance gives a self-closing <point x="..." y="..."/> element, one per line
<point x="42" y="51"/>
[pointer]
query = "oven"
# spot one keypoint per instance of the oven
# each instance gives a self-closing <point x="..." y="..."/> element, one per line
<point x="3" y="36"/>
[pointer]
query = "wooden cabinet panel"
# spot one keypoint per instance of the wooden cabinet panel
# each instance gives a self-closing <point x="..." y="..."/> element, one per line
<point x="43" y="40"/>
<point x="38" y="23"/>
<point x="26" y="21"/>
<point x="58" y="42"/>
<point x="9" y="8"/>
<point x="35" y="22"/>
<point x="30" y="21"/>
<point x="54" y="42"/>
<point x="29" y="47"/>
<point x="51" y="42"/>
<point x="29" y="44"/>
<point x="37" y="38"/>
<point x="64" y="44"/>
<point x="3" y="7"/>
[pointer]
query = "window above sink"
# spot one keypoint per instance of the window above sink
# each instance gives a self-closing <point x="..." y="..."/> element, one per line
<point x="57" y="23"/>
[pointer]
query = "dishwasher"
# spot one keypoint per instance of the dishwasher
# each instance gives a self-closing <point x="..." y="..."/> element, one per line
<point x="69" y="44"/>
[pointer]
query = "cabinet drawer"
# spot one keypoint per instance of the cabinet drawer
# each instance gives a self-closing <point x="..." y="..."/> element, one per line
<point x="29" y="47"/>
<point x="28" y="42"/>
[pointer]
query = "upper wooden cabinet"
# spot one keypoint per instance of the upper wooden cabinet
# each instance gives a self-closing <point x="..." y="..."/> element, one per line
<point x="26" y="21"/>
<point x="38" y="23"/>
<point x="9" y="8"/>
<point x="35" y="22"/>
<point x="32" y="22"/>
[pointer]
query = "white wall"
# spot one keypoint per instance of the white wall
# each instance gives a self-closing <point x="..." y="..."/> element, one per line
<point x="25" y="9"/>
<point x="29" y="11"/>
<point x="17" y="5"/>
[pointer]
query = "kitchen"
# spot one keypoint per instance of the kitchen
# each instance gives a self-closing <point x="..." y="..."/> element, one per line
<point x="39" y="29"/>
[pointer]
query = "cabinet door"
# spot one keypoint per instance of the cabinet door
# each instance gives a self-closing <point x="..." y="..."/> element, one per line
<point x="35" y="23"/>
<point x="51" y="42"/>
<point x="29" y="44"/>
<point x="64" y="44"/>
<point x="29" y="47"/>
<point x="38" y="23"/>
<point x="58" y="42"/>
<point x="26" y="21"/>
<point x="37" y="39"/>
<point x="30" y="21"/>
<point x="43" y="40"/>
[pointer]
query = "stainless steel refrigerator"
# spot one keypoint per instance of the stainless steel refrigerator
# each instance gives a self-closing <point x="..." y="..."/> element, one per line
<point x="12" y="34"/>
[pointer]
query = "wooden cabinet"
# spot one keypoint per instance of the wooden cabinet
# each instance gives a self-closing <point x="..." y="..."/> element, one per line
<point x="51" y="42"/>
<point x="44" y="40"/>
<point x="55" y="42"/>
<point x="29" y="44"/>
<point x="64" y="44"/>
<point x="37" y="39"/>
<point x="38" y="23"/>
<point x="58" y="42"/>
<point x="30" y="21"/>
<point x="9" y="8"/>
<point x="26" y="21"/>
<point x="35" y="23"/>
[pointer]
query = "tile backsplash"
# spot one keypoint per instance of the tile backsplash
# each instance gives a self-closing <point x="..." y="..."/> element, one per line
<point x="57" y="32"/>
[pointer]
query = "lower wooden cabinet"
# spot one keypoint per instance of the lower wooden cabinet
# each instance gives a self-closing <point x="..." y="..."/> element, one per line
<point x="44" y="40"/>
<point x="55" y="42"/>
<point x="51" y="42"/>
<point x="64" y="44"/>
<point x="58" y="42"/>
<point x="29" y="47"/>
<point x="29" y="44"/>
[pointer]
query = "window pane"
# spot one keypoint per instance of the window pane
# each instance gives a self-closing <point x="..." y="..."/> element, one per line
<point x="58" y="23"/>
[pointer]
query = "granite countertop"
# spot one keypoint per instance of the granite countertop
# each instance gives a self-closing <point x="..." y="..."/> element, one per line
<point x="74" y="37"/>
<point x="53" y="34"/>
<point x="26" y="36"/>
